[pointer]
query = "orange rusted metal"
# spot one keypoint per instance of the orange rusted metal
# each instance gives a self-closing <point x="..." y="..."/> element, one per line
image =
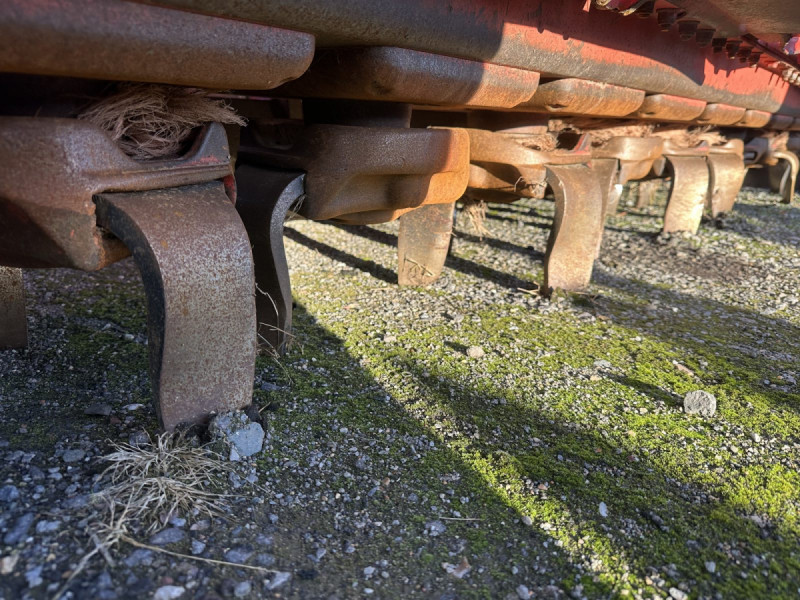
<point x="504" y="164"/>
<point x="125" y="41"/>
<point x="689" y="186"/>
<point x="669" y="108"/>
<point x="401" y="75"/>
<point x="726" y="173"/>
<point x="423" y="242"/>
<point x="348" y="180"/>
<point x="580" y="96"/>
<point x="721" y="114"/>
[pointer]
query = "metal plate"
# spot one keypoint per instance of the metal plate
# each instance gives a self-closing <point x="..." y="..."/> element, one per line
<point x="194" y="257"/>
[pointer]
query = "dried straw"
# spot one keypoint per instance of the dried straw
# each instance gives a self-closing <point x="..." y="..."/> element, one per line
<point x="476" y="213"/>
<point x="154" y="121"/>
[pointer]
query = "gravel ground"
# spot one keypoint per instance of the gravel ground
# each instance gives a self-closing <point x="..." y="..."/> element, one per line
<point x="469" y="440"/>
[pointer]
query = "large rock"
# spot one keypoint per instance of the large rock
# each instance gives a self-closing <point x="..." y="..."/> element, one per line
<point x="243" y="436"/>
<point x="701" y="403"/>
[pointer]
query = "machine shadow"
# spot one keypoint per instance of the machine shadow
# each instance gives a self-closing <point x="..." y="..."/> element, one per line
<point x="351" y="399"/>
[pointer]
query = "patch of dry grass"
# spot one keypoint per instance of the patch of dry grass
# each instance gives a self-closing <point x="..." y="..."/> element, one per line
<point x="146" y="486"/>
<point x="154" y="121"/>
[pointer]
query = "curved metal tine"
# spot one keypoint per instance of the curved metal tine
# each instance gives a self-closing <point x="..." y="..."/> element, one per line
<point x="13" y="325"/>
<point x="606" y="170"/>
<point x="785" y="182"/>
<point x="194" y="257"/>
<point x="726" y="175"/>
<point x="687" y="193"/>
<point x="577" y="227"/>
<point x="423" y="242"/>
<point x="264" y="197"/>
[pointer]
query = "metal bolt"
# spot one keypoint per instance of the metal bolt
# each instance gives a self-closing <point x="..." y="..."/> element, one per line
<point x="704" y="37"/>
<point x="687" y="29"/>
<point x="645" y="11"/>
<point x="667" y="18"/>
<point x="732" y="47"/>
<point x="744" y="53"/>
<point x="718" y="44"/>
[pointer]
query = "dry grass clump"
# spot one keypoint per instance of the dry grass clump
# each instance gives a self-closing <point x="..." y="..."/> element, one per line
<point x="156" y="481"/>
<point x="155" y="121"/>
<point x="476" y="213"/>
<point x="147" y="485"/>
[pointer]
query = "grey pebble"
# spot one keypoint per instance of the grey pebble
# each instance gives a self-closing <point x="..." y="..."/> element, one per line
<point x="19" y="530"/>
<point x="169" y="592"/>
<point x="8" y="493"/>
<point x="167" y="536"/>
<point x="34" y="577"/>
<point x="278" y="579"/>
<point x="239" y="554"/>
<point x="435" y="528"/>
<point x="98" y="410"/>
<point x="475" y="352"/>
<point x="198" y="547"/>
<point x="142" y="556"/>
<point x="265" y="560"/>
<point x="244" y="436"/>
<point x="242" y="589"/>
<point x="677" y="594"/>
<point x="71" y="456"/>
<point x="48" y="526"/>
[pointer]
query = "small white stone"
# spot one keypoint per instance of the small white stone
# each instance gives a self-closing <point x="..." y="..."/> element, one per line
<point x="475" y="352"/>
<point x="700" y="402"/>
<point x="603" y="509"/>
<point x="169" y="592"/>
<point x="527" y="520"/>
<point x="523" y="592"/>
<point x="677" y="594"/>
<point x="711" y="566"/>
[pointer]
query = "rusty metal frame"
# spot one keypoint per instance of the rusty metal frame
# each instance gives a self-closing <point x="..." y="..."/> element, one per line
<point x="688" y="188"/>
<point x="559" y="39"/>
<point x="265" y="197"/>
<point x="501" y="161"/>
<point x="620" y="160"/>
<point x="194" y="257"/>
<point x="51" y="168"/>
<point x="423" y="242"/>
<point x="402" y="75"/>
<point x="726" y="174"/>
<point x="363" y="175"/>
<point x="126" y="41"/>
<point x="783" y="174"/>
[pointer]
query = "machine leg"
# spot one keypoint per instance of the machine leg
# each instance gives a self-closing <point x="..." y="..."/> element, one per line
<point x="726" y="174"/>
<point x="687" y="194"/>
<point x="783" y="176"/>
<point x="194" y="258"/>
<point x="423" y="242"/>
<point x="264" y="197"/>
<point x="13" y="326"/>
<point x="577" y="227"/>
<point x="606" y="170"/>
